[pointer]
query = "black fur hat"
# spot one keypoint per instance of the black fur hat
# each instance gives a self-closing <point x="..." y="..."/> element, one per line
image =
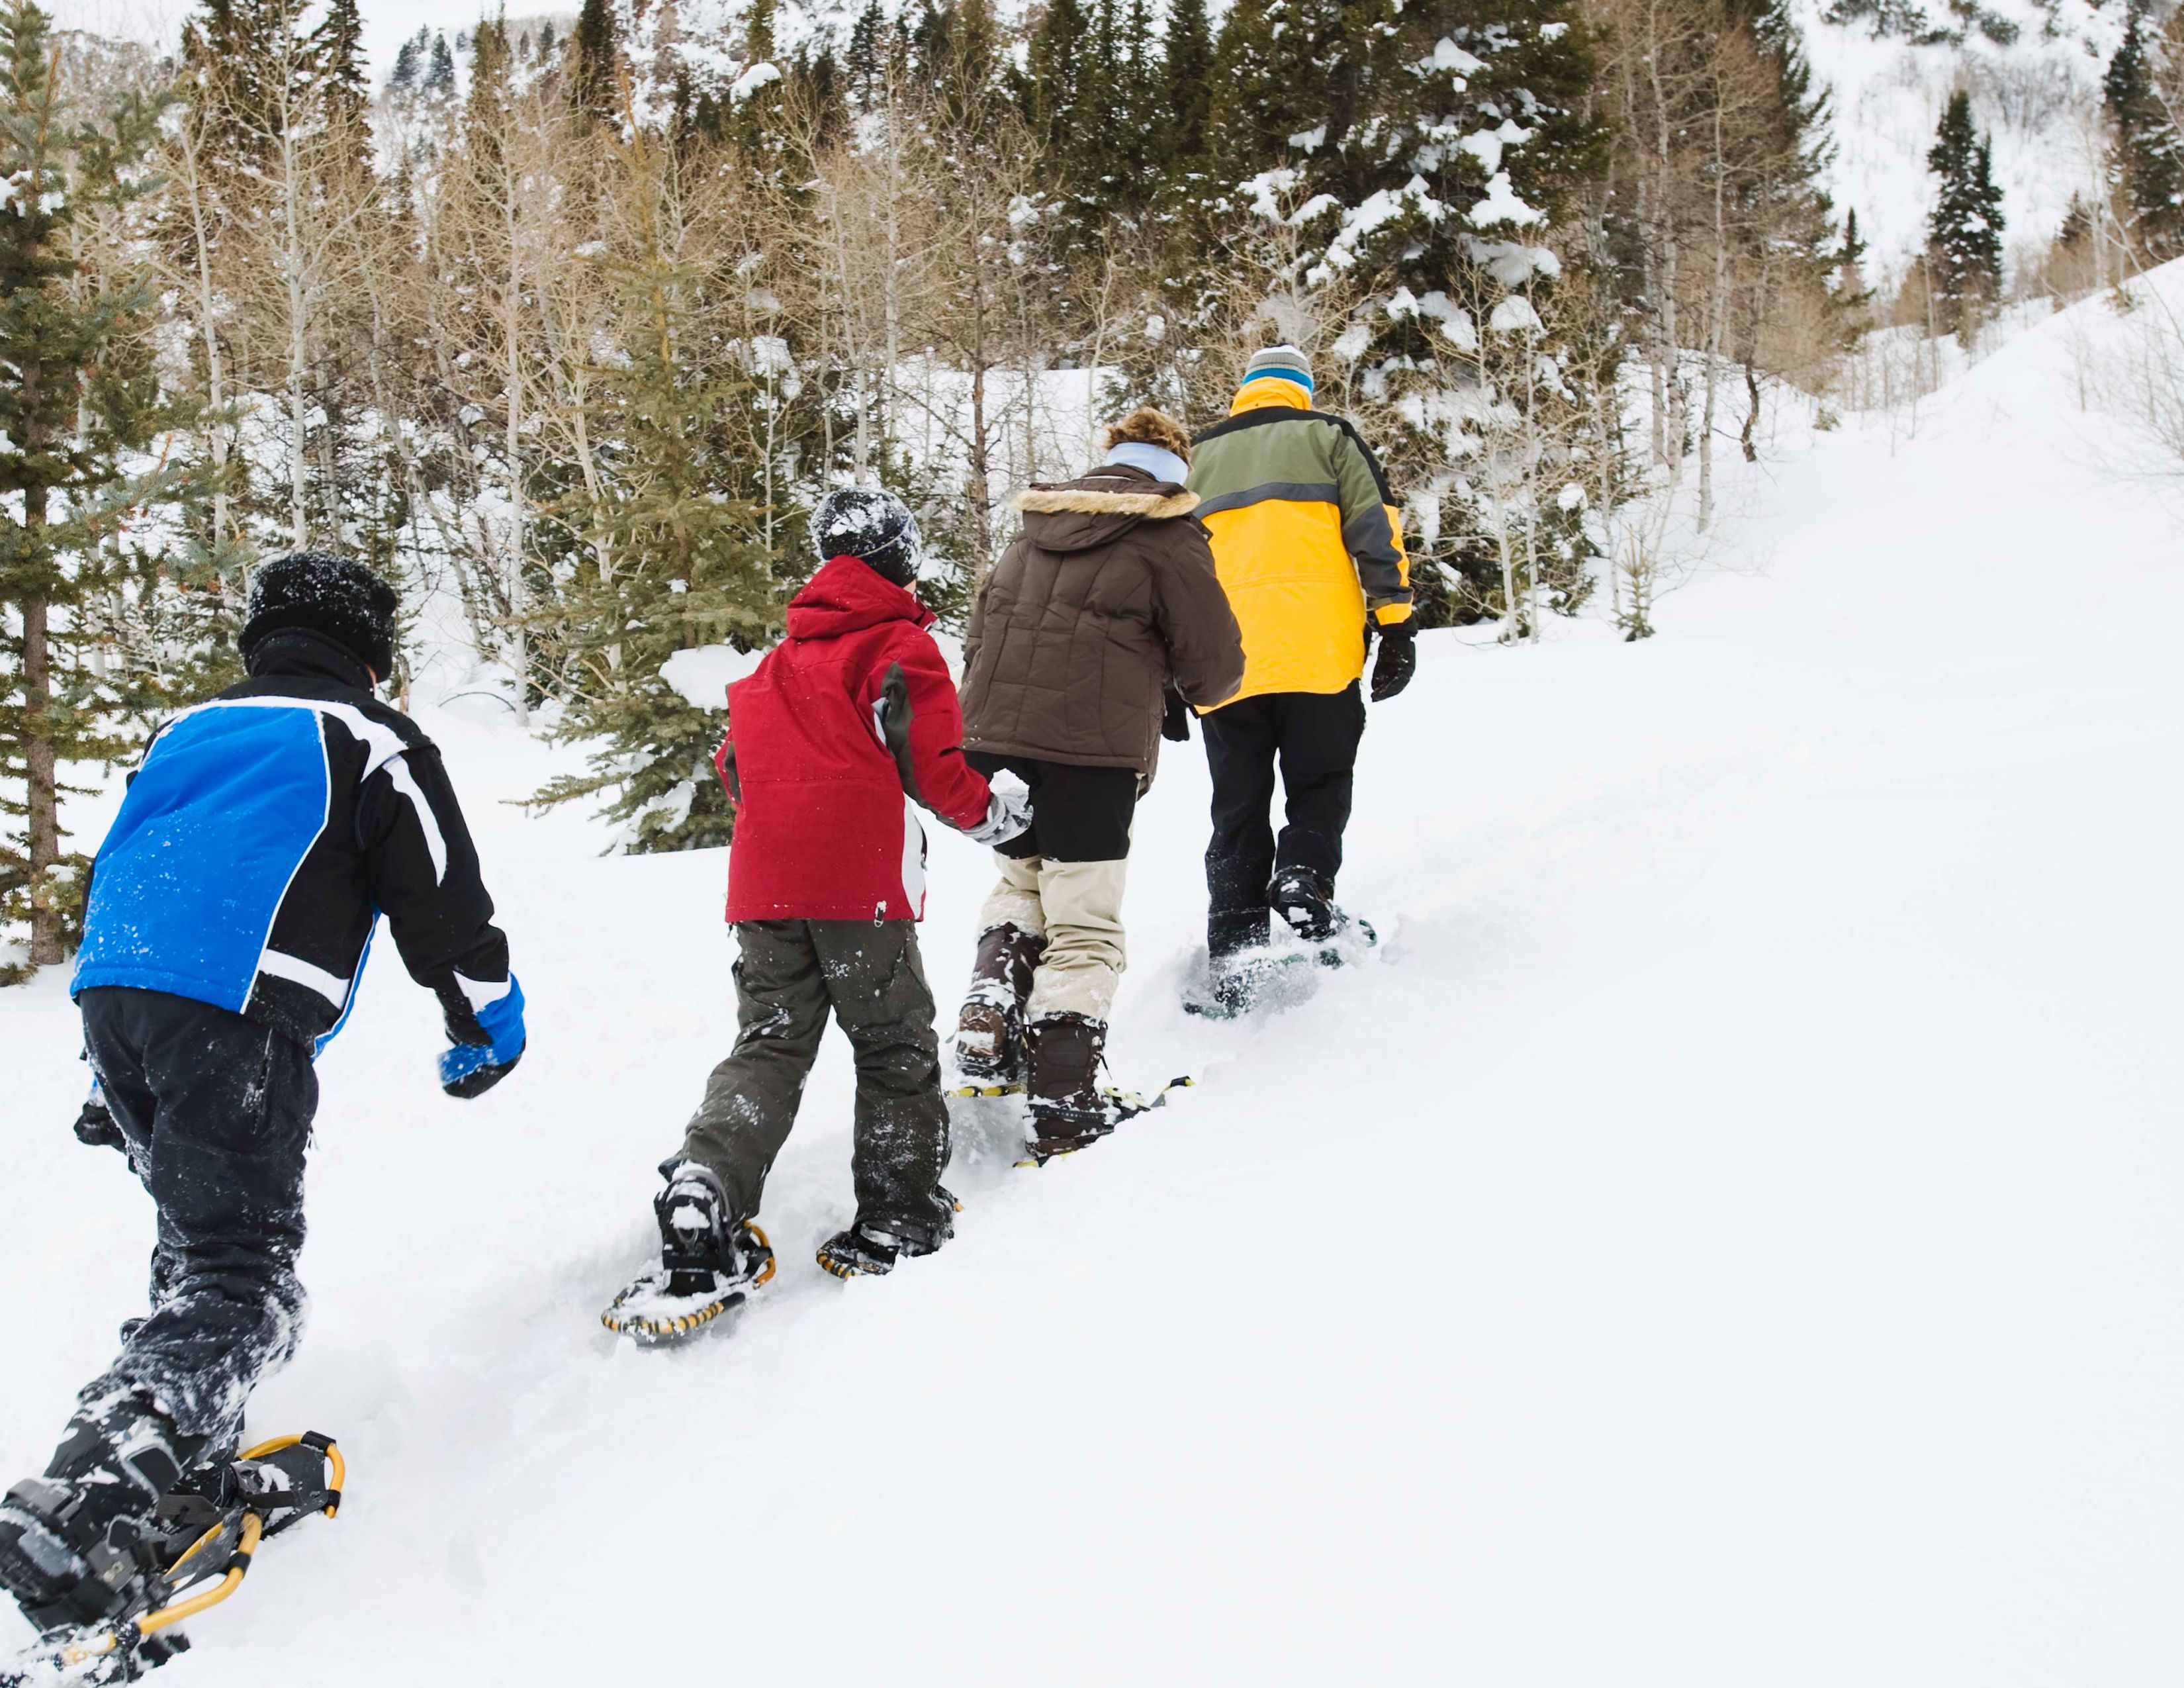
<point x="337" y="598"/>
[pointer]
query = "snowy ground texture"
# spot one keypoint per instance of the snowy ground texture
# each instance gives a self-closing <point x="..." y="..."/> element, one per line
<point x="1735" y="1236"/>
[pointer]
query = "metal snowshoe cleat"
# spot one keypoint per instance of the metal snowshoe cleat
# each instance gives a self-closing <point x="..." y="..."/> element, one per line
<point x="708" y="1262"/>
<point x="874" y="1242"/>
<point x="194" y="1550"/>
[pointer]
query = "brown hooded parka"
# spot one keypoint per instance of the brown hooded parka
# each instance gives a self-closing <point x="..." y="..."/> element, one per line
<point x="1107" y="595"/>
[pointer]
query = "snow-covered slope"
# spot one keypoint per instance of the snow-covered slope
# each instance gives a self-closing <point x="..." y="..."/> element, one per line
<point x="2035" y="77"/>
<point x="1733" y="1237"/>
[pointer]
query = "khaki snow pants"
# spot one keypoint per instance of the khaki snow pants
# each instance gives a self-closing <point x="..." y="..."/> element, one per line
<point x="1077" y="907"/>
<point x="790" y="975"/>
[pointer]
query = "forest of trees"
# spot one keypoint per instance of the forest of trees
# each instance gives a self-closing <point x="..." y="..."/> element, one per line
<point x="570" y="329"/>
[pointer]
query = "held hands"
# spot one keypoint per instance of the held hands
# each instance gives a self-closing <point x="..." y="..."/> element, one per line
<point x="471" y="1068"/>
<point x="1008" y="812"/>
<point x="1397" y="661"/>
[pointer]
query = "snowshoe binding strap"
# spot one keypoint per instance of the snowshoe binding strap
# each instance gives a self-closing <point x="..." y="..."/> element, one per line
<point x="986" y="1092"/>
<point x="292" y="1477"/>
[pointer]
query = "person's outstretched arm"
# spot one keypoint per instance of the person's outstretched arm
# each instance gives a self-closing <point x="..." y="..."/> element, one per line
<point x="920" y="720"/>
<point x="427" y="880"/>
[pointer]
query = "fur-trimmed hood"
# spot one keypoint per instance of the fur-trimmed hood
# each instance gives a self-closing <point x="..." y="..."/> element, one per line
<point x="1099" y="507"/>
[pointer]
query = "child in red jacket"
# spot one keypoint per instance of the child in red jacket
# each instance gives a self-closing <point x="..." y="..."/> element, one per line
<point x="846" y="727"/>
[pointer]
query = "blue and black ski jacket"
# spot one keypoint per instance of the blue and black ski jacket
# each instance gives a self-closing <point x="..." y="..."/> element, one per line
<point x="263" y="836"/>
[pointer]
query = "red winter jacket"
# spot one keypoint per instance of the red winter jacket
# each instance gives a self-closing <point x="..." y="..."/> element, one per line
<point x="824" y="828"/>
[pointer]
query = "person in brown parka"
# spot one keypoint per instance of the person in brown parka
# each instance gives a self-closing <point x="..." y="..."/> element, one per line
<point x="1099" y="621"/>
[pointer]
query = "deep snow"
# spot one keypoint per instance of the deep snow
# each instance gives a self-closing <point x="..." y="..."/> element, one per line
<point x="1733" y="1237"/>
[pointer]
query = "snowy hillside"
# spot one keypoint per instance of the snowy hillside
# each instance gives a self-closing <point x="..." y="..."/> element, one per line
<point x="1732" y="1238"/>
<point x="2033" y="68"/>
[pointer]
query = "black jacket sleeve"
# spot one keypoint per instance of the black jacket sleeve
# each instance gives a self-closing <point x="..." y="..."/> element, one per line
<point x="425" y="879"/>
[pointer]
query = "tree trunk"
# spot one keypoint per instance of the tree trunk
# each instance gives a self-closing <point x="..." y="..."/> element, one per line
<point x="512" y="331"/>
<point x="1716" y="312"/>
<point x="980" y="488"/>
<point x="216" y="374"/>
<point x="292" y="263"/>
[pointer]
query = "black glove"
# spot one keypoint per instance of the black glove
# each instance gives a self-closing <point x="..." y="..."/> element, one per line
<point x="95" y="1127"/>
<point x="1397" y="661"/>
<point x="1175" y="720"/>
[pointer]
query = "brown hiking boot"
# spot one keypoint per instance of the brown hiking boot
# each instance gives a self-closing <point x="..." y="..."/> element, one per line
<point x="1067" y="1110"/>
<point x="989" y="1031"/>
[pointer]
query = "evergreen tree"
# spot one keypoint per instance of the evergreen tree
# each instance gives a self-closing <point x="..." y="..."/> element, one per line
<point x="82" y="487"/>
<point x="595" y="66"/>
<point x="1061" y="80"/>
<point x="1188" y="52"/>
<point x="676" y="552"/>
<point x="1964" y="234"/>
<point x="344" y="77"/>
<point x="2146" y="151"/>
<point x="1850" y="290"/>
<point x="865" y="58"/>
<point x="440" y="72"/>
<point x="409" y="66"/>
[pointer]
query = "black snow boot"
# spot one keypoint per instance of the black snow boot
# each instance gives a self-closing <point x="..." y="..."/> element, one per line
<point x="1306" y="901"/>
<point x="83" y="1544"/>
<point x="875" y="1241"/>
<point x="990" y="1032"/>
<point x="1067" y="1110"/>
<point x="709" y="1260"/>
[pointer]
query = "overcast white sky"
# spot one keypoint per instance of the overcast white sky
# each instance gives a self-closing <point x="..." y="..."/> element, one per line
<point x="386" y="22"/>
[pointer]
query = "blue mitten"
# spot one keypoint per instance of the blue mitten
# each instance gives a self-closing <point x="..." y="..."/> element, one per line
<point x="471" y="1068"/>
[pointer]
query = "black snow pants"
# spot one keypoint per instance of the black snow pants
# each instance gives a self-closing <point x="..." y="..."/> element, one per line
<point x="790" y="974"/>
<point x="216" y="1110"/>
<point x="1314" y="737"/>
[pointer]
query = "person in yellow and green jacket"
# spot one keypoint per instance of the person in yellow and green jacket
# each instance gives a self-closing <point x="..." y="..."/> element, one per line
<point x="1309" y="548"/>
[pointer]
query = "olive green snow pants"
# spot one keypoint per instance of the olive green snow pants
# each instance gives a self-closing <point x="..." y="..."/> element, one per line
<point x="790" y="973"/>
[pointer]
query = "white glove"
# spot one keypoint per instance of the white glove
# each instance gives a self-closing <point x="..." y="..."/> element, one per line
<point x="1008" y="813"/>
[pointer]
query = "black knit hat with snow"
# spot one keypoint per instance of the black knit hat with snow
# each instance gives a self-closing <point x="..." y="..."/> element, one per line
<point x="336" y="598"/>
<point x="874" y="526"/>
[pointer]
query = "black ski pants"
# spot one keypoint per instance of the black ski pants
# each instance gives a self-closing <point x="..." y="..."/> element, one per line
<point x="790" y="975"/>
<point x="216" y="1112"/>
<point x="1313" y="738"/>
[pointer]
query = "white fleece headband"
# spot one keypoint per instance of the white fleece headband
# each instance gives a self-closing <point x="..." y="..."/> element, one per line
<point x="1157" y="461"/>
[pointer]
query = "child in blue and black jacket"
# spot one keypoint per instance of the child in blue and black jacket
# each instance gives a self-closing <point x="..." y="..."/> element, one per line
<point x="228" y="916"/>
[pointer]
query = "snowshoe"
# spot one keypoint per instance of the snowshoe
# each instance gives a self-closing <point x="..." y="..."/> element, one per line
<point x="1280" y="974"/>
<point x="197" y="1546"/>
<point x="708" y="1262"/>
<point x="873" y="1243"/>
<point x="1252" y="979"/>
<point x="1118" y="1105"/>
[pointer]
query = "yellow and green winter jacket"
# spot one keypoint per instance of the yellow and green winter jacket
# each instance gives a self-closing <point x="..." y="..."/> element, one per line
<point x="1306" y="539"/>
